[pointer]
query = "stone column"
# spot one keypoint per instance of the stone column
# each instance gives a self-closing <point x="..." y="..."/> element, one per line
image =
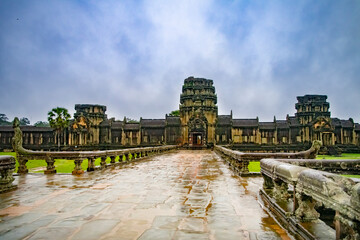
<point x="112" y="159"/>
<point x="306" y="208"/>
<point x="7" y="167"/>
<point x="280" y="190"/>
<point x="78" y="169"/>
<point x="50" y="168"/>
<point x="103" y="162"/>
<point x="22" y="169"/>
<point x="91" y="164"/>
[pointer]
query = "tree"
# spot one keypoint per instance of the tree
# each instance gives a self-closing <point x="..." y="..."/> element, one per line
<point x="4" y="120"/>
<point x="130" y="120"/>
<point x="175" y="113"/>
<point x="24" y="121"/>
<point x="59" y="120"/>
<point x="41" y="124"/>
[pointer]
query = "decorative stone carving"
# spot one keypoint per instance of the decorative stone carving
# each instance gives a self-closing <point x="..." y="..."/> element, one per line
<point x="306" y="208"/>
<point x="7" y="167"/>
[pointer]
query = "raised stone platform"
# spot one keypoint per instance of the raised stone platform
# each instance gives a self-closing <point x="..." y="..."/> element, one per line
<point x="180" y="195"/>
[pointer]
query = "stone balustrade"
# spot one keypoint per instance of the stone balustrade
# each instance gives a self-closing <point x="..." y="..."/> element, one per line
<point x="240" y="161"/>
<point x="24" y="155"/>
<point x="7" y="167"/>
<point x="79" y="156"/>
<point x="312" y="195"/>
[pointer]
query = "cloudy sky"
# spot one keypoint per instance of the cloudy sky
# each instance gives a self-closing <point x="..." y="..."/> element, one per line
<point x="133" y="56"/>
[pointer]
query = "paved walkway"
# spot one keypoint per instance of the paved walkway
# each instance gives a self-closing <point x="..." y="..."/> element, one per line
<point x="180" y="195"/>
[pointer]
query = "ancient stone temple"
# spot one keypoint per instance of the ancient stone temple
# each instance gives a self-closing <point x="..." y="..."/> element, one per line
<point x="198" y="126"/>
<point x="198" y="112"/>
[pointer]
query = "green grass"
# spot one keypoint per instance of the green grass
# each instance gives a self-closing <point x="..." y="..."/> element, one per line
<point x="343" y="156"/>
<point x="61" y="165"/>
<point x="254" y="166"/>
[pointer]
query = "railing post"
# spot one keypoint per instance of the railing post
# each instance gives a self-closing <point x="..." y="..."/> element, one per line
<point x="127" y="157"/>
<point x="245" y="166"/>
<point x="103" y="162"/>
<point x="91" y="164"/>
<point x="306" y="208"/>
<point x="121" y="158"/>
<point x="78" y="169"/>
<point x="6" y="178"/>
<point x="50" y="168"/>
<point x="112" y="159"/>
<point x="22" y="169"/>
<point x="280" y="190"/>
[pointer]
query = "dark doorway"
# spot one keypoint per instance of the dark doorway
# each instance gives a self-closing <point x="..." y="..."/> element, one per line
<point x="197" y="139"/>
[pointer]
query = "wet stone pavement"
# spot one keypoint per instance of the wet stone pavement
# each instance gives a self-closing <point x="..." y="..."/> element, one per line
<point x="180" y="195"/>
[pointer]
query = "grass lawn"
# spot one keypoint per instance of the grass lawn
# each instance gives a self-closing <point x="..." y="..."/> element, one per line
<point x="343" y="156"/>
<point x="255" y="166"/>
<point x="61" y="165"/>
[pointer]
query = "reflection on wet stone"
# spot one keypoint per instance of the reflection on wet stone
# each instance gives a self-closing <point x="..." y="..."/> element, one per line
<point x="180" y="195"/>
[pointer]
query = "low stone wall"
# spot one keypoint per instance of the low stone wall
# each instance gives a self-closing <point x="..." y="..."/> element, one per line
<point x="78" y="157"/>
<point x="312" y="194"/>
<point x="24" y="155"/>
<point x="240" y="161"/>
<point x="7" y="167"/>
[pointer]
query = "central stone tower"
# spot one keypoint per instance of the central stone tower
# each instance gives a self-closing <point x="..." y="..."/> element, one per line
<point x="198" y="112"/>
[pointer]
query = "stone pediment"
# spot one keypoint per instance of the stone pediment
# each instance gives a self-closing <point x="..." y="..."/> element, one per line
<point x="80" y="123"/>
<point x="322" y="124"/>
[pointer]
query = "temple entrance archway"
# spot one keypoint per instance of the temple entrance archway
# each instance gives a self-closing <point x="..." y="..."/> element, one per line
<point x="197" y="133"/>
<point x="197" y="139"/>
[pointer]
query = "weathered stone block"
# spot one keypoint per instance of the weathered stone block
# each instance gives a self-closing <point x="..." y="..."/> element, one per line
<point x="7" y="167"/>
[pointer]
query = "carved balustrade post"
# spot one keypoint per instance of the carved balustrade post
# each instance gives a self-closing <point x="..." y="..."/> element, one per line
<point x="22" y="169"/>
<point x="306" y="208"/>
<point x="78" y="169"/>
<point x="121" y="158"/>
<point x="280" y="190"/>
<point x="245" y="166"/>
<point x="7" y="167"/>
<point x="112" y="159"/>
<point x="127" y="157"/>
<point x="91" y="164"/>
<point x="103" y="162"/>
<point x="268" y="183"/>
<point x="50" y="168"/>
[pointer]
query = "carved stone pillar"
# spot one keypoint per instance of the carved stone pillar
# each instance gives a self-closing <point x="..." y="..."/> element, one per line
<point x="268" y="183"/>
<point x="103" y="162"/>
<point x="306" y="208"/>
<point x="127" y="157"/>
<point x="91" y="164"/>
<point x="112" y="159"/>
<point x="22" y="169"/>
<point x="7" y="167"/>
<point x="245" y="166"/>
<point x="78" y="169"/>
<point x="280" y="190"/>
<point x="121" y="158"/>
<point x="50" y="168"/>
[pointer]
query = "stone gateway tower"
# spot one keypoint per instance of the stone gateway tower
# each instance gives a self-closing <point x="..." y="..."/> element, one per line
<point x="198" y="112"/>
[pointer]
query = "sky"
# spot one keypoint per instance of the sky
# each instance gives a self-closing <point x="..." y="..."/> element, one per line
<point x="133" y="56"/>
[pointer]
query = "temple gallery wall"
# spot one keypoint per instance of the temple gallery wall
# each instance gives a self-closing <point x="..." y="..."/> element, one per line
<point x="198" y="126"/>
